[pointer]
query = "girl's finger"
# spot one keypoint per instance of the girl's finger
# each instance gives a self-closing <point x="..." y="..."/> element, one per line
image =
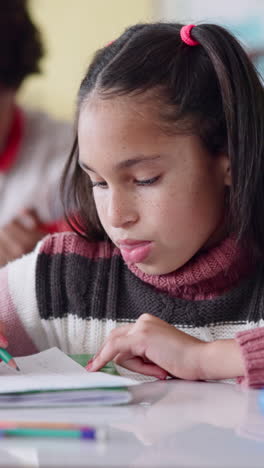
<point x="119" y="331"/>
<point x="112" y="347"/>
<point x="137" y="364"/>
<point x="121" y="350"/>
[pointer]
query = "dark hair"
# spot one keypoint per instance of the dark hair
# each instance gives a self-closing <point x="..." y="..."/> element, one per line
<point x="211" y="90"/>
<point x="20" y="44"/>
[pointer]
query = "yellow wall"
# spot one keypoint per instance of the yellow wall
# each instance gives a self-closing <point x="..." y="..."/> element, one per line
<point x="72" y="30"/>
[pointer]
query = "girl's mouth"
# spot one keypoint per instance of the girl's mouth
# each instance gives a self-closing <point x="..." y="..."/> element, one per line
<point x="135" y="253"/>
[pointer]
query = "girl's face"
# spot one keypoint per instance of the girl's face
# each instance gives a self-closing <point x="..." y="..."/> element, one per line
<point x="159" y="197"/>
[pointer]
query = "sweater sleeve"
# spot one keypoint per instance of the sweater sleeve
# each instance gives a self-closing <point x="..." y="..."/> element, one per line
<point x="251" y="343"/>
<point x="18" y="306"/>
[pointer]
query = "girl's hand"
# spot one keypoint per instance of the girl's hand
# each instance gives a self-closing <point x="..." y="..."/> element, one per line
<point x="152" y="347"/>
<point x="3" y="340"/>
<point x="19" y="236"/>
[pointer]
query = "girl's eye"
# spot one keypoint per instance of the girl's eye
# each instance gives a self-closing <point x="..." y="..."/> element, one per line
<point x="99" y="184"/>
<point x="148" y="181"/>
<point x="138" y="182"/>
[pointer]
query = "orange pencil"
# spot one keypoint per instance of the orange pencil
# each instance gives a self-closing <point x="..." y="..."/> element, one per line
<point x="41" y="425"/>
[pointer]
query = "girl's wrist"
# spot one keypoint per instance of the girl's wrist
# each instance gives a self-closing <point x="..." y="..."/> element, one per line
<point x="220" y="359"/>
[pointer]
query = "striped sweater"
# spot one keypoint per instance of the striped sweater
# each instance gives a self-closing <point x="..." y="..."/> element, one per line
<point x="71" y="293"/>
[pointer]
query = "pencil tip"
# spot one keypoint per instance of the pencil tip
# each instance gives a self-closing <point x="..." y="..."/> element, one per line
<point x="17" y="368"/>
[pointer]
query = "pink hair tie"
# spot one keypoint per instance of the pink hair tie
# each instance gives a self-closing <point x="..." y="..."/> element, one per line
<point x="185" y="34"/>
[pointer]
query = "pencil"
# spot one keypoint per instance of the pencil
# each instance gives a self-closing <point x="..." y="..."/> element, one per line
<point x="85" y="433"/>
<point x="41" y="425"/>
<point x="8" y="359"/>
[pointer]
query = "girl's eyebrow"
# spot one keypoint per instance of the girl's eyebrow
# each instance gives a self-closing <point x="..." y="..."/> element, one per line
<point x="127" y="163"/>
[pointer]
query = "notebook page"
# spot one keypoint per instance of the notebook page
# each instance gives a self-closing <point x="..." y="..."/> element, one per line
<point x="53" y="370"/>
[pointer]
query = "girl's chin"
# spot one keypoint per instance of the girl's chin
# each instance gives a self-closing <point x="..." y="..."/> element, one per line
<point x="152" y="266"/>
<point x="154" y="269"/>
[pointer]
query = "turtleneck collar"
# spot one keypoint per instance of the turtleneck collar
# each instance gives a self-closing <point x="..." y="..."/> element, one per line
<point x="207" y="275"/>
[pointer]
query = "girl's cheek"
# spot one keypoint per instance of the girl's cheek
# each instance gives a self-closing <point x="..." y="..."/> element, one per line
<point x="100" y="204"/>
<point x="101" y="208"/>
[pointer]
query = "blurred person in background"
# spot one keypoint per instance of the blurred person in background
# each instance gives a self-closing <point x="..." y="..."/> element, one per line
<point x="33" y="146"/>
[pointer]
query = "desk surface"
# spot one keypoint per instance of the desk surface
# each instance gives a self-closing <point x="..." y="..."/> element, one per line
<point x="173" y="423"/>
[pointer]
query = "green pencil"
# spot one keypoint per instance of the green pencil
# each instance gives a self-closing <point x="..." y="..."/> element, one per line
<point x="8" y="359"/>
<point x="82" y="433"/>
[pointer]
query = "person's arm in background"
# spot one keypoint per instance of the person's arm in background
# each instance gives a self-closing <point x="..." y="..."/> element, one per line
<point x="22" y="233"/>
<point x="20" y="236"/>
<point x="44" y="154"/>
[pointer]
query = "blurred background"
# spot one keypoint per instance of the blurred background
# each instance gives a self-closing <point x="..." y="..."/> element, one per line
<point x="73" y="29"/>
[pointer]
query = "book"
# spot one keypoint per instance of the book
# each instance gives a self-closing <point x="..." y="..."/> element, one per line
<point x="51" y="378"/>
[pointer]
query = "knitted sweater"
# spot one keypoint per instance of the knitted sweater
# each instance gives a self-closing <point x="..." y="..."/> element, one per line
<point x="31" y="166"/>
<point x="71" y="293"/>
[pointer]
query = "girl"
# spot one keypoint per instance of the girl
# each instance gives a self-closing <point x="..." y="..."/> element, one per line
<point x="165" y="275"/>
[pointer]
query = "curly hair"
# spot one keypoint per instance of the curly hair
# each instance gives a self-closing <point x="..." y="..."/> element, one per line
<point x="20" y="44"/>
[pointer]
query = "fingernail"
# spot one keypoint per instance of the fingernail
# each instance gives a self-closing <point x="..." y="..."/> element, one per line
<point x="89" y="365"/>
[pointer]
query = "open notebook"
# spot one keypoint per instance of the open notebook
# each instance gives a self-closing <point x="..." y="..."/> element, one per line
<point x="51" y="378"/>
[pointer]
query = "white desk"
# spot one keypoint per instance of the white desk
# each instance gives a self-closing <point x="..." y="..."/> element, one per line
<point x="174" y="423"/>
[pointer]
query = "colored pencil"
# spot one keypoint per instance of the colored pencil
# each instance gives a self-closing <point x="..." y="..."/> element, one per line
<point x="84" y="433"/>
<point x="8" y="359"/>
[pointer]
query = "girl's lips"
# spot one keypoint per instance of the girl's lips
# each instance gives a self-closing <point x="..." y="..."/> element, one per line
<point x="135" y="253"/>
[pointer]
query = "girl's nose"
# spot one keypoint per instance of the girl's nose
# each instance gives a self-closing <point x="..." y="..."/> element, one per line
<point x="121" y="210"/>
